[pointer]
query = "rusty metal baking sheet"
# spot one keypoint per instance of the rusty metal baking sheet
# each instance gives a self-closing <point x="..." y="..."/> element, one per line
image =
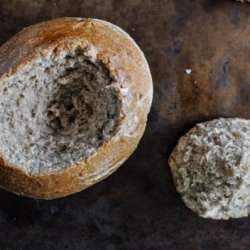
<point x="198" y="52"/>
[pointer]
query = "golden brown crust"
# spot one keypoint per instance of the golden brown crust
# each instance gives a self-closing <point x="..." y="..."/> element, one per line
<point x="128" y="67"/>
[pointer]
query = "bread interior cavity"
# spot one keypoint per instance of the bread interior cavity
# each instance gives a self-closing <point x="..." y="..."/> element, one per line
<point x="56" y="111"/>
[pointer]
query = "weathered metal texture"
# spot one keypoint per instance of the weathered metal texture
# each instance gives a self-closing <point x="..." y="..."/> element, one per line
<point x="138" y="207"/>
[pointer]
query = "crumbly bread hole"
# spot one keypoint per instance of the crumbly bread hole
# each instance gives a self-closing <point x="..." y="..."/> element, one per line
<point x="57" y="111"/>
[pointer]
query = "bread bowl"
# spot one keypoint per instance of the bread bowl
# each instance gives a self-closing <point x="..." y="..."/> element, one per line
<point x="74" y="96"/>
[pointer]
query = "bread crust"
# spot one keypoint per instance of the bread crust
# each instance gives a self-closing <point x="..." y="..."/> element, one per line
<point x="128" y="66"/>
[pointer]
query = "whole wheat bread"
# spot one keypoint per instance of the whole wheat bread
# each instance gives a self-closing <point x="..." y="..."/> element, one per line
<point x="211" y="168"/>
<point x="74" y="99"/>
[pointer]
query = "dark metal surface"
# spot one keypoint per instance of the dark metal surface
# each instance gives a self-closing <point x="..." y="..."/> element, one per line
<point x="138" y="207"/>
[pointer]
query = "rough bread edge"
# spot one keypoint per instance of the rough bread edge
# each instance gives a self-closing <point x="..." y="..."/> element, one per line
<point x="103" y="41"/>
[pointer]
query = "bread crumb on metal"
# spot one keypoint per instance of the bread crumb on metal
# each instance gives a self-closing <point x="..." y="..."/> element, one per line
<point x="188" y="71"/>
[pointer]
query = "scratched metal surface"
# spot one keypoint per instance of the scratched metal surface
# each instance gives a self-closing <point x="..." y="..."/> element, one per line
<point x="138" y="207"/>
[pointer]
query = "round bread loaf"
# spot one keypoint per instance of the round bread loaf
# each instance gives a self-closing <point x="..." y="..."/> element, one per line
<point x="211" y="168"/>
<point x="74" y="98"/>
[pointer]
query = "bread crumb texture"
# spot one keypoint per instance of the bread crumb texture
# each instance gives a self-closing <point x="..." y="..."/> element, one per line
<point x="57" y="111"/>
<point x="210" y="167"/>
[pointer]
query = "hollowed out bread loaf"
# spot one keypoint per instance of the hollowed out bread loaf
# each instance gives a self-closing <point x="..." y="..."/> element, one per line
<point x="211" y="168"/>
<point x="74" y="99"/>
